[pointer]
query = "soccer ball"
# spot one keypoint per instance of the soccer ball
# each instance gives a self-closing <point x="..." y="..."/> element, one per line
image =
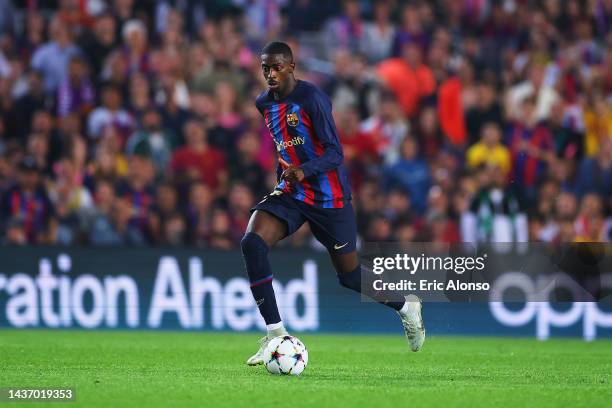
<point x="286" y="355"/>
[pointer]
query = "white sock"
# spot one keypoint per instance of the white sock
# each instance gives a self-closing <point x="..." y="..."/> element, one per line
<point x="276" y="329"/>
<point x="404" y="308"/>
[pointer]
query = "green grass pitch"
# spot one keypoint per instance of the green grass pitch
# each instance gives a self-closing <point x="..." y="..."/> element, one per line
<point x="151" y="369"/>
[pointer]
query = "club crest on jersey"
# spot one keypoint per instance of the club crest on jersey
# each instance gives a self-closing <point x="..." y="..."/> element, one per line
<point x="292" y="119"/>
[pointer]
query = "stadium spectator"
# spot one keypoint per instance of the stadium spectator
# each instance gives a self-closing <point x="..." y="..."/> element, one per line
<point x="410" y="31"/>
<point x="594" y="174"/>
<point x="398" y="204"/>
<point x="220" y="230"/>
<point x="405" y="231"/>
<point x="451" y="94"/>
<point x="411" y="174"/>
<point x="140" y="98"/>
<point x="240" y="201"/>
<point x="590" y="220"/>
<point x="346" y="30"/>
<point x="115" y="71"/>
<point x="34" y="34"/>
<point x="489" y="150"/>
<point x="34" y="99"/>
<point x="378" y="35"/>
<point x="389" y="127"/>
<point x="566" y="137"/>
<point x="598" y="125"/>
<point x="74" y="14"/>
<point x="263" y="20"/>
<point x="486" y="109"/>
<point x="99" y="224"/>
<point x="7" y="169"/>
<point x="110" y="161"/>
<point x="110" y="113"/>
<point x="38" y="149"/>
<point x="53" y="57"/>
<point x="531" y="149"/>
<point x="543" y="94"/>
<point x="153" y="141"/>
<point x="227" y="110"/>
<point x="371" y="200"/>
<point x="7" y="17"/>
<point x="429" y="134"/>
<point x="68" y="188"/>
<point x="245" y="166"/>
<point x="496" y="213"/>
<point x="566" y="205"/>
<point x="174" y="230"/>
<point x="76" y="92"/>
<point x="27" y="204"/>
<point x="15" y="233"/>
<point x="379" y="229"/>
<point x="135" y="52"/>
<point x="162" y="213"/>
<point x="359" y="146"/>
<point x="306" y="16"/>
<point x="124" y="230"/>
<point x="197" y="161"/>
<point x="137" y="191"/>
<point x="408" y="78"/>
<point x="200" y="205"/>
<point x="98" y="42"/>
<point x="442" y="228"/>
<point x="174" y="111"/>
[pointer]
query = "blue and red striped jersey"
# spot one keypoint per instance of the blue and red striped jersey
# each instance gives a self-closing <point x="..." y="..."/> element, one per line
<point x="305" y="135"/>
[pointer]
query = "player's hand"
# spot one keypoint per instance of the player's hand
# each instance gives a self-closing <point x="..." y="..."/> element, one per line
<point x="293" y="174"/>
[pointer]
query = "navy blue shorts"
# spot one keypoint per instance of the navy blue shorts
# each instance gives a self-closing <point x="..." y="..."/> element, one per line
<point x="335" y="228"/>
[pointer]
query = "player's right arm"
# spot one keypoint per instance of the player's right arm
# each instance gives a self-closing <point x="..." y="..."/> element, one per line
<point x="281" y="165"/>
<point x="320" y="112"/>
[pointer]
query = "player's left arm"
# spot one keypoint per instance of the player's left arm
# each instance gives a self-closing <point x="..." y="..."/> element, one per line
<point x="320" y="112"/>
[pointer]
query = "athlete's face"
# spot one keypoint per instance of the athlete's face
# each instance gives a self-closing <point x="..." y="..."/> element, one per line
<point x="277" y="71"/>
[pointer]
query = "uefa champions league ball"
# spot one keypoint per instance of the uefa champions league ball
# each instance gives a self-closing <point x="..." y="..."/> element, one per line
<point x="286" y="355"/>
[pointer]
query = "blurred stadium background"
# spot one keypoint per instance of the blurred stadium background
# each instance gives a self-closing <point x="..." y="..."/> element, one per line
<point x="130" y="144"/>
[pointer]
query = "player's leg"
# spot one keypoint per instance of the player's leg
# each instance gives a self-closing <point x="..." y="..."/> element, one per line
<point x="352" y="275"/>
<point x="336" y="229"/>
<point x="273" y="219"/>
<point x="263" y="231"/>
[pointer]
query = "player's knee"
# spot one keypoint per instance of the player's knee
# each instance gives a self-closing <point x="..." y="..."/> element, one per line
<point x="253" y="245"/>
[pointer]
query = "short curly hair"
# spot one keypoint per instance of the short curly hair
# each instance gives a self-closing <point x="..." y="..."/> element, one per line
<point x="278" y="47"/>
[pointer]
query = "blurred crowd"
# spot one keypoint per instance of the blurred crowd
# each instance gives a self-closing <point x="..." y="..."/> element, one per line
<point x="129" y="122"/>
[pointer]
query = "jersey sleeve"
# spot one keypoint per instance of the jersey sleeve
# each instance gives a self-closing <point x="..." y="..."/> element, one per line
<point x="259" y="104"/>
<point x="319" y="109"/>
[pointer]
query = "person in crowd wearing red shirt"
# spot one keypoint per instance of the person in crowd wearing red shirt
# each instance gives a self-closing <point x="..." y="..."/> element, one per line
<point x="197" y="161"/>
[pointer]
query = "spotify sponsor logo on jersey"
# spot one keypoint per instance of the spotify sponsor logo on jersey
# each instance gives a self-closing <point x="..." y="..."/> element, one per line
<point x="58" y="296"/>
<point x="289" y="143"/>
